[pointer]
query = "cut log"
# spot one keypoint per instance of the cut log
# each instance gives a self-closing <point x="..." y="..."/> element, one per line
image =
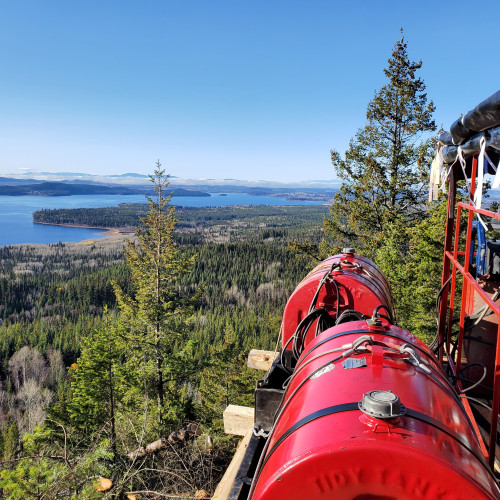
<point x="153" y="447"/>
<point x="103" y="484"/>
<point x="190" y="431"/>
<point x="238" y="419"/>
<point x="261" y="360"/>
<point x="224" y="487"/>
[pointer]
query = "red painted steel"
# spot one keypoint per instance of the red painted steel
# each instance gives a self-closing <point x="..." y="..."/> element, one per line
<point x="349" y="454"/>
<point x="448" y="244"/>
<point x="323" y="445"/>
<point x="362" y="287"/>
<point x="454" y="267"/>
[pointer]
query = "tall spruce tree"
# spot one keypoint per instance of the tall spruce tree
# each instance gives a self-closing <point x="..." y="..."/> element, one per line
<point x="155" y="315"/>
<point x="385" y="169"/>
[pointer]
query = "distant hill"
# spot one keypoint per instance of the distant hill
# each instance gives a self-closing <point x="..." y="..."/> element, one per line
<point x="133" y="183"/>
<point x="66" y="189"/>
<point x="10" y="180"/>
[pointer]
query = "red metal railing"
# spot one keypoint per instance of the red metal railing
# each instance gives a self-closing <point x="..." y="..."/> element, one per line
<point x="452" y="266"/>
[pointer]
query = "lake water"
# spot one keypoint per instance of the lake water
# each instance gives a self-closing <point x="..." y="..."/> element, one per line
<point x="16" y="223"/>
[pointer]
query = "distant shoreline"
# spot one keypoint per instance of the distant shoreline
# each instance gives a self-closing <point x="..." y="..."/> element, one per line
<point x="108" y="231"/>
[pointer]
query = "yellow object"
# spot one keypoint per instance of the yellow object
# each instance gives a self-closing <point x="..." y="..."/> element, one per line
<point x="103" y="484"/>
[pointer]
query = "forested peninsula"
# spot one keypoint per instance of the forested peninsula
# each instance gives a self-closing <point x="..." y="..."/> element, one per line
<point x="235" y="220"/>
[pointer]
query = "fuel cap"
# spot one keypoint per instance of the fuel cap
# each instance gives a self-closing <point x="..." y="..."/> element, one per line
<point x="349" y="250"/>
<point x="381" y="404"/>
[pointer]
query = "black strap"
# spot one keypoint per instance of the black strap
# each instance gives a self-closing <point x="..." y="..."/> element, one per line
<point x="443" y="428"/>
<point x="331" y="410"/>
<point x="448" y="388"/>
<point x="309" y="418"/>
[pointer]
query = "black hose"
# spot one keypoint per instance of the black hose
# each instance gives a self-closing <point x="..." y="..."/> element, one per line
<point x="324" y="320"/>
<point x="376" y="313"/>
<point x="433" y="345"/>
<point x="349" y="315"/>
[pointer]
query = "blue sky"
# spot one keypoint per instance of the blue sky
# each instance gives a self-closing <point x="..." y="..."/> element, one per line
<point x="257" y="89"/>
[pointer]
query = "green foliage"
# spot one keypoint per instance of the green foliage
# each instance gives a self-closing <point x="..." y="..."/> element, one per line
<point x="235" y="386"/>
<point x="425" y="270"/>
<point x="154" y="318"/>
<point x="10" y="441"/>
<point x="381" y="206"/>
<point x="385" y="169"/>
<point x="44" y="473"/>
<point x="97" y="388"/>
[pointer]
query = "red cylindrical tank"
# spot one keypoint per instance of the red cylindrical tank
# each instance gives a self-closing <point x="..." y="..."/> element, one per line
<point x="361" y="284"/>
<point x="342" y="434"/>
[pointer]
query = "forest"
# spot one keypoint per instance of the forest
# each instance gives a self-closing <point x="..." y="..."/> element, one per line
<point x="55" y="297"/>
<point x="117" y="362"/>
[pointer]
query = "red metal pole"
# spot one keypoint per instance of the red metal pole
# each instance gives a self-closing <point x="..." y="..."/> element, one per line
<point x="453" y="287"/>
<point x="448" y="243"/>
<point x="466" y="288"/>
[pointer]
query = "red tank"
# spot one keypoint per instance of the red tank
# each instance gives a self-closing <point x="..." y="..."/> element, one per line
<point x="369" y="414"/>
<point x="361" y="287"/>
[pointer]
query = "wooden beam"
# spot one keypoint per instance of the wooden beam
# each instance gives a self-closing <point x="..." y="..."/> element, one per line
<point x="224" y="487"/>
<point x="261" y="360"/>
<point x="238" y="419"/>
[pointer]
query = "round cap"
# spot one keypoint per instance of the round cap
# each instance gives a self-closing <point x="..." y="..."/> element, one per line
<point x="381" y="404"/>
<point x="349" y="250"/>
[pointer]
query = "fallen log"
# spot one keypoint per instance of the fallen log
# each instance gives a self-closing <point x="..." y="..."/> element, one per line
<point x="180" y="436"/>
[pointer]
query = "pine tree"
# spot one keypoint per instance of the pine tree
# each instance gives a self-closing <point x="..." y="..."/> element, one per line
<point x="155" y="315"/>
<point x="97" y="387"/>
<point x="385" y="169"/>
<point x="10" y="441"/>
<point x="46" y="471"/>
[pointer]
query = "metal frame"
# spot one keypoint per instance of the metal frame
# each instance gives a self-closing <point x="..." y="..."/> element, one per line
<point x="451" y="265"/>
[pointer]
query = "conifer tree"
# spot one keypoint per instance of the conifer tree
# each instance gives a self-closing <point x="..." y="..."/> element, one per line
<point x="155" y="315"/>
<point x="97" y="387"/>
<point x="10" y="441"/>
<point x="385" y="169"/>
<point x="46" y="471"/>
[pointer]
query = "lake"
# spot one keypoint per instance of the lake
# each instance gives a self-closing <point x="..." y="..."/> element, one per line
<point x="16" y="223"/>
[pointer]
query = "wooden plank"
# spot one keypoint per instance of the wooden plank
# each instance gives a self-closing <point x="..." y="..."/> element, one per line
<point x="224" y="487"/>
<point x="238" y="419"/>
<point x="261" y="360"/>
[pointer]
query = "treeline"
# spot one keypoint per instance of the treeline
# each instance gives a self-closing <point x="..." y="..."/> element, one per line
<point x="50" y="295"/>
